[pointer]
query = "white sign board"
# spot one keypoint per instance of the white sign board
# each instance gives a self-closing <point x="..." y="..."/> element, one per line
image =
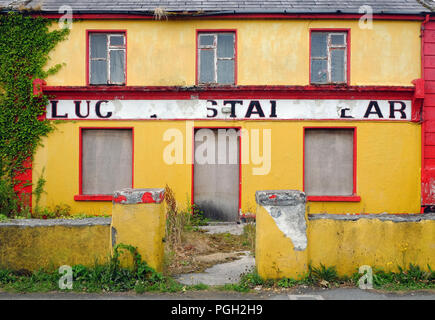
<point x="230" y="109"/>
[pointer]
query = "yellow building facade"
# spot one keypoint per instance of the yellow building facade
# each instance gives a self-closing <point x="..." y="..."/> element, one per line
<point x="272" y="63"/>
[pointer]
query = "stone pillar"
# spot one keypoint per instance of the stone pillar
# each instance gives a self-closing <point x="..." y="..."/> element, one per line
<point x="138" y="219"/>
<point x="281" y="237"/>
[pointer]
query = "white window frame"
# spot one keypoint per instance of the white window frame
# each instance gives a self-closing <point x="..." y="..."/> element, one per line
<point x="107" y="59"/>
<point x="214" y="47"/>
<point x="329" y="48"/>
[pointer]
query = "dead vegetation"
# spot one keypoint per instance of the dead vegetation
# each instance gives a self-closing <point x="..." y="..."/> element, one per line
<point x="189" y="249"/>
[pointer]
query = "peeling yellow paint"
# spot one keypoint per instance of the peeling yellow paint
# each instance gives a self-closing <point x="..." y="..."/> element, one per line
<point x="270" y="52"/>
<point x="49" y="247"/>
<point x="141" y="226"/>
<point x="388" y="164"/>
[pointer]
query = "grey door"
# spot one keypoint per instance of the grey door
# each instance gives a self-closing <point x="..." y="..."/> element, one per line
<point x="216" y="173"/>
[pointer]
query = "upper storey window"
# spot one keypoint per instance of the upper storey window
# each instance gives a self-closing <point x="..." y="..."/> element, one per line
<point x="107" y="58"/>
<point x="329" y="57"/>
<point x="216" y="58"/>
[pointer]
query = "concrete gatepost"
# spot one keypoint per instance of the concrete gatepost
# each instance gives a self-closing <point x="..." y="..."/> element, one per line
<point x="281" y="236"/>
<point x="138" y="219"/>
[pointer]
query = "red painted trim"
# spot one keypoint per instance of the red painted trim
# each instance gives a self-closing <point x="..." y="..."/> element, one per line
<point x="226" y="92"/>
<point x="123" y="16"/>
<point x="192" y="195"/>
<point x="352" y="198"/>
<point x="334" y="199"/>
<point x="23" y="183"/>
<point x="198" y="31"/>
<point x="37" y="86"/>
<point x="95" y="197"/>
<point x="348" y="44"/>
<point x="99" y="197"/>
<point x="87" y="62"/>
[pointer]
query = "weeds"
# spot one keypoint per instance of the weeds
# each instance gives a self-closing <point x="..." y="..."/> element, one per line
<point x="9" y="202"/>
<point x="249" y="236"/>
<point x="414" y="278"/>
<point x="39" y="190"/>
<point x="404" y="279"/>
<point x="100" y="278"/>
<point x="178" y="221"/>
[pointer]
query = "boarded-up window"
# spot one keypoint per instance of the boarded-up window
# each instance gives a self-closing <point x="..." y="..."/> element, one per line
<point x="329" y="162"/>
<point x="106" y="160"/>
<point x="328" y="57"/>
<point x="216" y="58"/>
<point x="106" y="59"/>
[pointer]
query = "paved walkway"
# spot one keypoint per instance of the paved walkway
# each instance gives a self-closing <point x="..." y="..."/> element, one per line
<point x="224" y="227"/>
<point x="225" y="273"/>
<point x="220" y="274"/>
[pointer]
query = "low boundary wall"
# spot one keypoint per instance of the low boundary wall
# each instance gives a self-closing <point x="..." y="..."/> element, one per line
<point x="288" y="240"/>
<point x="32" y="244"/>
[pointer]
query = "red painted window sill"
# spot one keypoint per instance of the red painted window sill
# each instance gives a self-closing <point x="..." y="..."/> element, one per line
<point x="93" y="197"/>
<point x="335" y="198"/>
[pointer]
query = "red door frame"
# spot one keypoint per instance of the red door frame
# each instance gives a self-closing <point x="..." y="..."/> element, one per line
<point x="239" y="129"/>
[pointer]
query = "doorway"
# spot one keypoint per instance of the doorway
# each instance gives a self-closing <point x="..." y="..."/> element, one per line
<point x="216" y="172"/>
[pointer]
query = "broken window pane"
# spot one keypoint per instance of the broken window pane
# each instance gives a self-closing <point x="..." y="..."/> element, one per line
<point x="207" y="66"/>
<point x="319" y="71"/>
<point x="225" y="71"/>
<point x="99" y="46"/>
<point x="338" y="65"/>
<point x="117" y="66"/>
<point x="206" y="40"/>
<point x="98" y="72"/>
<point x="319" y="44"/>
<point x="117" y="40"/>
<point x="225" y="45"/>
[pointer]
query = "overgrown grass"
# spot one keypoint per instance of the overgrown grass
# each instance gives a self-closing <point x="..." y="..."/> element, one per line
<point x="110" y="277"/>
<point x="141" y="278"/>
<point x="413" y="278"/>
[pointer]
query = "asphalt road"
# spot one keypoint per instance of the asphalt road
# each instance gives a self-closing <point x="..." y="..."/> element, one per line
<point x="214" y="295"/>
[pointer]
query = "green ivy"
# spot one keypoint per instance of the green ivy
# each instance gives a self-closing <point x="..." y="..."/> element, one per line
<point x="25" y="44"/>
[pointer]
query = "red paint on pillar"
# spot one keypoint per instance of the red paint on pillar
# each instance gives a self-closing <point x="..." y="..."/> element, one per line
<point x="148" y="198"/>
<point x="119" y="199"/>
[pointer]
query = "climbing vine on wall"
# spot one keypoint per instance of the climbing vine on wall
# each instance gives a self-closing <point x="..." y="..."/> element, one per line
<point x="25" y="44"/>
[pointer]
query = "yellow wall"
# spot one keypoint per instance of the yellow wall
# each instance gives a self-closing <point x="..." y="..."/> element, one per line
<point x="351" y="244"/>
<point x="346" y="245"/>
<point x="141" y="226"/>
<point x="270" y="52"/>
<point x="35" y="247"/>
<point x="388" y="164"/>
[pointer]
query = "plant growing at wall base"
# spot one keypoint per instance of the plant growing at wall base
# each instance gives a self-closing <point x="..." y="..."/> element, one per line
<point x="25" y="44"/>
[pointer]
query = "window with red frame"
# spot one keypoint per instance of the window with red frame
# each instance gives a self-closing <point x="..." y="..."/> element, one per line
<point x="107" y="54"/>
<point x="106" y="161"/>
<point x="329" y="57"/>
<point x="216" y="58"/>
<point x="329" y="162"/>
